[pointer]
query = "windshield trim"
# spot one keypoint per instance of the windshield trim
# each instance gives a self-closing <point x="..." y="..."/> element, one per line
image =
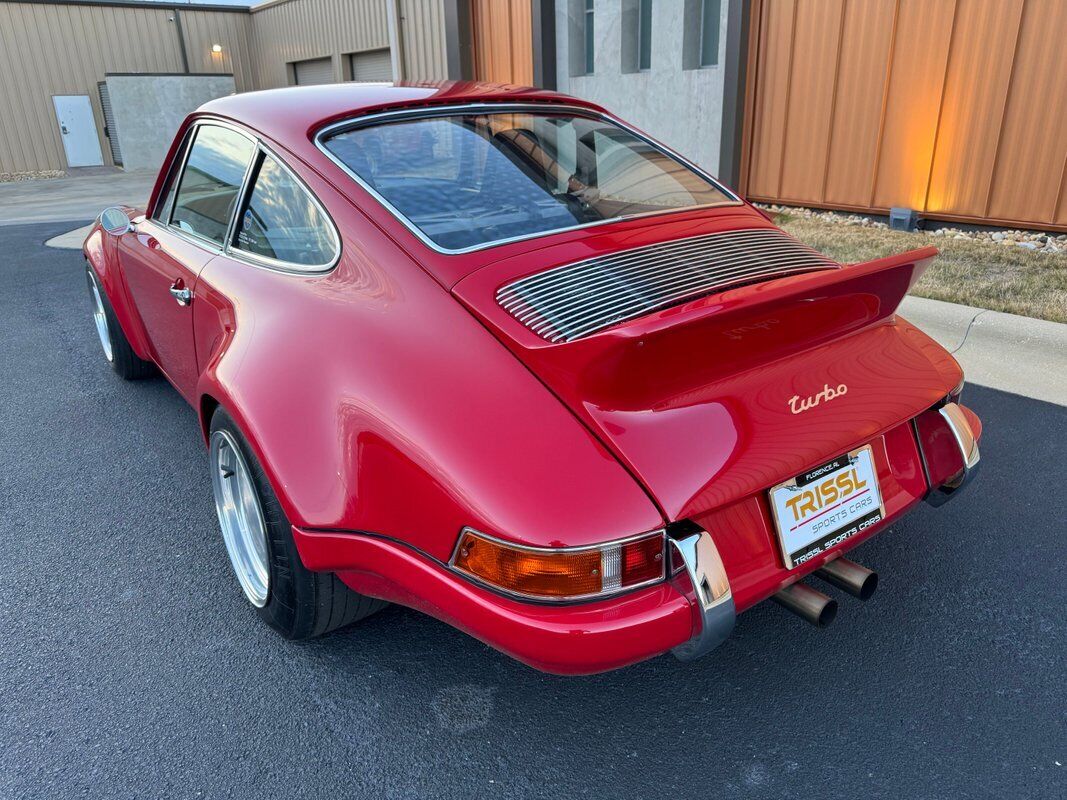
<point x="429" y="112"/>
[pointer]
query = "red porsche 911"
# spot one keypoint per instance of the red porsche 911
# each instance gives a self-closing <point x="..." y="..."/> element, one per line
<point x="492" y="353"/>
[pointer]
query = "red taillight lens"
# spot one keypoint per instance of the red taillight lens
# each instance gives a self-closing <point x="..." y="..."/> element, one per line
<point x="564" y="573"/>
<point x="641" y="561"/>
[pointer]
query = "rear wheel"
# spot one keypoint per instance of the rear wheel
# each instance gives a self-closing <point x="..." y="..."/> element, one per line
<point x="296" y="602"/>
<point x="116" y="347"/>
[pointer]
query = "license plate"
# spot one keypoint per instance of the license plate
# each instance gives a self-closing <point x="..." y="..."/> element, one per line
<point x="826" y="505"/>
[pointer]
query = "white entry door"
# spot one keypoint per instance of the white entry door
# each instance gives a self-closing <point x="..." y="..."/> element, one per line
<point x="77" y="126"/>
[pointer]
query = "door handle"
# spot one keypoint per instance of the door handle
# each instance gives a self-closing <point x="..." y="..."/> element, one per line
<point x="182" y="295"/>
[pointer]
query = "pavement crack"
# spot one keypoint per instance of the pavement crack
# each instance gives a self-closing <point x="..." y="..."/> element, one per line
<point x="967" y="332"/>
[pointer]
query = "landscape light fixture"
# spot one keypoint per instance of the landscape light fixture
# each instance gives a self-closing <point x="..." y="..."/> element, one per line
<point x="903" y="219"/>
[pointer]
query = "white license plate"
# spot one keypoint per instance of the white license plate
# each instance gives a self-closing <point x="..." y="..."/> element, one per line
<point x="826" y="505"/>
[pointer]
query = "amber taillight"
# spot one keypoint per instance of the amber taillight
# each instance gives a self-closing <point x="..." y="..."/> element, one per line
<point x="560" y="574"/>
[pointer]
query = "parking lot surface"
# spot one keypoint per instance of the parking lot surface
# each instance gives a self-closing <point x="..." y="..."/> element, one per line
<point x="131" y="666"/>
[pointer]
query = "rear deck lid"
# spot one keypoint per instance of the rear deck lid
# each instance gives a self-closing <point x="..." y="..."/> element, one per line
<point x="696" y="386"/>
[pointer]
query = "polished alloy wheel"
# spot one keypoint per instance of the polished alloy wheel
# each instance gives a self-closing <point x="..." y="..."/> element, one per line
<point x="100" y="317"/>
<point x="241" y="517"/>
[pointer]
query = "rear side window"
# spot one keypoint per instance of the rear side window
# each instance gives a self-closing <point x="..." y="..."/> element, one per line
<point x="281" y="222"/>
<point x="211" y="182"/>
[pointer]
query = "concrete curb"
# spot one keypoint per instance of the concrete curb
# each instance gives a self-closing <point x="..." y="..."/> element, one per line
<point x="1024" y="356"/>
<point x="71" y="240"/>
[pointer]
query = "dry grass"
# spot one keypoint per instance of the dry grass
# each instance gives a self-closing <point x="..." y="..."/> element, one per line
<point x="1002" y="278"/>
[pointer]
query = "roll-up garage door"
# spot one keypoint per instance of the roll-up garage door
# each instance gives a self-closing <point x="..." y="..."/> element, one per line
<point x="372" y="65"/>
<point x="110" y="131"/>
<point x="317" y="70"/>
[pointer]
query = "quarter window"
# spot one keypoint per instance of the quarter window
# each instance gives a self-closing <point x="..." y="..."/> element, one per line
<point x="211" y="181"/>
<point x="281" y="222"/>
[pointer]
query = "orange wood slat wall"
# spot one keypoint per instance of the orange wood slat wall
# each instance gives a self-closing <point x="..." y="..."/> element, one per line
<point x="503" y="41"/>
<point x="957" y="108"/>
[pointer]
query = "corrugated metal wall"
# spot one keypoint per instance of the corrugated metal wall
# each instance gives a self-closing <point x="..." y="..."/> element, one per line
<point x="47" y="50"/>
<point x="503" y="41"/>
<point x="422" y="23"/>
<point x="234" y="32"/>
<point x="299" y="30"/>
<point x="957" y="108"/>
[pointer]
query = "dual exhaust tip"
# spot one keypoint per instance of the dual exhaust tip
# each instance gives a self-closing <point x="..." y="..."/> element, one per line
<point x="815" y="607"/>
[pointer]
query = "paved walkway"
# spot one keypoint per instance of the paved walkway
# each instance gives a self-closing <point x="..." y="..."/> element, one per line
<point x="79" y="197"/>
<point x="1015" y="354"/>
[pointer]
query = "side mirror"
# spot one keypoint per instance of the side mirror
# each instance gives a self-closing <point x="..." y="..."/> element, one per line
<point x="114" y="221"/>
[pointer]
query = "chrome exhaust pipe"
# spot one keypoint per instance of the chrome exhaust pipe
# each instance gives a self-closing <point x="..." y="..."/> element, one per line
<point x="808" y="604"/>
<point x="853" y="578"/>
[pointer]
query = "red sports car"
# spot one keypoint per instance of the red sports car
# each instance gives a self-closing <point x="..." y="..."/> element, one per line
<point x="491" y="353"/>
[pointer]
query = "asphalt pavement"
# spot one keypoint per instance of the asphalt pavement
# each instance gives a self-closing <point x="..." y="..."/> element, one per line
<point x="131" y="666"/>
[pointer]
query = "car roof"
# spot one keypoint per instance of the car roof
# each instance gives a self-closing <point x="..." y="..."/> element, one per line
<point x="298" y="111"/>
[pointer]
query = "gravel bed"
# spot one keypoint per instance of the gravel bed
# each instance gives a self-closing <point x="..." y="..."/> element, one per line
<point x="1037" y="241"/>
<point x="36" y="175"/>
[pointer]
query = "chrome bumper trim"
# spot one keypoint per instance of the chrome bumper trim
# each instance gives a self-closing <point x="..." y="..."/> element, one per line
<point x="968" y="444"/>
<point x="708" y="589"/>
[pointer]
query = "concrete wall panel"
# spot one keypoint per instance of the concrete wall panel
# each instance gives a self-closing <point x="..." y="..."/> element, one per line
<point x="680" y="107"/>
<point x="149" y="108"/>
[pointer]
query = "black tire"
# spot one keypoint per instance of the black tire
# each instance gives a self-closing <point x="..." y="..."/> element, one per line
<point x="301" y="604"/>
<point x="126" y="363"/>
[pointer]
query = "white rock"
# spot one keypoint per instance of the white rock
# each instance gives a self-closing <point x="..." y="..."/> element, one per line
<point x="1028" y="245"/>
<point x="998" y="237"/>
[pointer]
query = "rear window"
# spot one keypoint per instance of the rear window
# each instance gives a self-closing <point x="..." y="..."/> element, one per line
<point x="470" y="180"/>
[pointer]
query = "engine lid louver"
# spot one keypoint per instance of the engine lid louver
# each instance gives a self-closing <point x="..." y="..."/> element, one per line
<point x="580" y="299"/>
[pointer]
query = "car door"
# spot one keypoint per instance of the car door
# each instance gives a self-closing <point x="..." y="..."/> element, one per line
<point x="281" y="231"/>
<point x="164" y="258"/>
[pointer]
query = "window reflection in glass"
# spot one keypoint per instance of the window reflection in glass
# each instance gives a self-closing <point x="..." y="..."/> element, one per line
<point x="211" y="181"/>
<point x="469" y="180"/>
<point x="281" y="222"/>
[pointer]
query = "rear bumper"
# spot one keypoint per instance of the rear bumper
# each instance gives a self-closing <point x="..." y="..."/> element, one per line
<point x="604" y="635"/>
<point x="569" y="640"/>
<point x="948" y="440"/>
<point x="577" y="639"/>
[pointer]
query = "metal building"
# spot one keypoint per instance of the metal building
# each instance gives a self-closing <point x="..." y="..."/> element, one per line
<point x="954" y="108"/>
<point x="61" y="60"/>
